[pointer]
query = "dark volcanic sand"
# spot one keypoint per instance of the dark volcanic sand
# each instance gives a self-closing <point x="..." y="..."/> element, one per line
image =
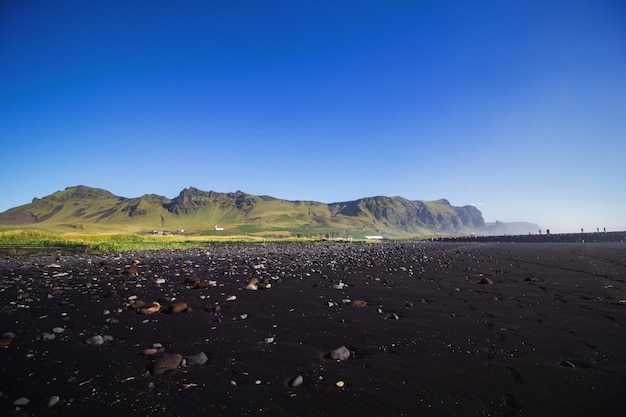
<point x="547" y="338"/>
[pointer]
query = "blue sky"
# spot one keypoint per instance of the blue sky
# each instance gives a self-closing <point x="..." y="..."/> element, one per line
<point x="518" y="107"/>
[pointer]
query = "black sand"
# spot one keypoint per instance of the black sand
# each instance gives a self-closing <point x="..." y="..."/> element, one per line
<point x="546" y="338"/>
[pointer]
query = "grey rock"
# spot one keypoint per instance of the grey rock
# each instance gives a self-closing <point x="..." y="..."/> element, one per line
<point x="166" y="363"/>
<point x="197" y="359"/>
<point x="296" y="381"/>
<point x="52" y="401"/>
<point x="95" y="340"/>
<point x="340" y="354"/>
<point x="48" y="336"/>
<point x="21" y="401"/>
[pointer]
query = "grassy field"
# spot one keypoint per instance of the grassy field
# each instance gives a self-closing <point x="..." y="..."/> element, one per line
<point x="19" y="240"/>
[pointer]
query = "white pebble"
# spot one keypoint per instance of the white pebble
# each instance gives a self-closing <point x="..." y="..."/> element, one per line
<point x="21" y="401"/>
<point x="52" y="401"/>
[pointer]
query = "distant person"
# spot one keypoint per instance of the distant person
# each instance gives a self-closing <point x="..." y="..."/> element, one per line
<point x="581" y="230"/>
<point x="547" y="231"/>
<point x="598" y="229"/>
<point x="604" y="229"/>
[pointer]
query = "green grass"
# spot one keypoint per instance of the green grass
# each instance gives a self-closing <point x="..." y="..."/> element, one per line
<point x="32" y="239"/>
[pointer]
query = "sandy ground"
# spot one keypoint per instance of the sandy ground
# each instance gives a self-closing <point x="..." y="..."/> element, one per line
<point x="544" y="334"/>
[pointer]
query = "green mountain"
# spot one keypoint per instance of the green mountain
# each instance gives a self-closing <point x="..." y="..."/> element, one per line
<point x="94" y="210"/>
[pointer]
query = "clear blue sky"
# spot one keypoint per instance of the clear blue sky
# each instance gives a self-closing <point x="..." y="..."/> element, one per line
<point x="518" y="107"/>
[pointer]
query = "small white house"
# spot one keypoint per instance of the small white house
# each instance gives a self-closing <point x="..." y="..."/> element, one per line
<point x="216" y="227"/>
<point x="373" y="237"/>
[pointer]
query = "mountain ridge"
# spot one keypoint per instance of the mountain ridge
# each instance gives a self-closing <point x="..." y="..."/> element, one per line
<point x="98" y="210"/>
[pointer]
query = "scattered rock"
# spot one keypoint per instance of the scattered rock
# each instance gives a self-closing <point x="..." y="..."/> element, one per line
<point x="214" y="308"/>
<point x="21" y="401"/>
<point x="95" y="340"/>
<point x="131" y="270"/>
<point x="204" y="284"/>
<point x="152" y="308"/>
<point x="199" y="358"/>
<point x="253" y="284"/>
<point x="295" y="381"/>
<point x="52" y="401"/>
<point x="48" y="336"/>
<point x="486" y="281"/>
<point x="166" y="363"/>
<point x="358" y="303"/>
<point x="178" y="308"/>
<point x="192" y="280"/>
<point x="340" y="354"/>
<point x="393" y="316"/>
<point x="340" y="285"/>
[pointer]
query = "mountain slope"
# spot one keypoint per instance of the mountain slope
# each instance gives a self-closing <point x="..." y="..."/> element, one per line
<point x="97" y="210"/>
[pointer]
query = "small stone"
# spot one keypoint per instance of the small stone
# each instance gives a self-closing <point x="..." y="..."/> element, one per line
<point x="340" y="285"/>
<point x="95" y="340"/>
<point x="192" y="280"/>
<point x="269" y="340"/>
<point x="166" y="363"/>
<point x="21" y="401"/>
<point x="295" y="381"/>
<point x="152" y="308"/>
<point x="49" y="336"/>
<point x="52" y="401"/>
<point x="58" y="330"/>
<point x="149" y="352"/>
<point x="178" y="307"/>
<point x="340" y="354"/>
<point x="487" y="281"/>
<point x="214" y="308"/>
<point x="107" y="338"/>
<point x="199" y="358"/>
<point x="131" y="270"/>
<point x="340" y="384"/>
<point x="359" y="303"/>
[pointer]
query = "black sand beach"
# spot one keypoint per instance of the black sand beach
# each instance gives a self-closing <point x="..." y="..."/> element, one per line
<point x="429" y="329"/>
